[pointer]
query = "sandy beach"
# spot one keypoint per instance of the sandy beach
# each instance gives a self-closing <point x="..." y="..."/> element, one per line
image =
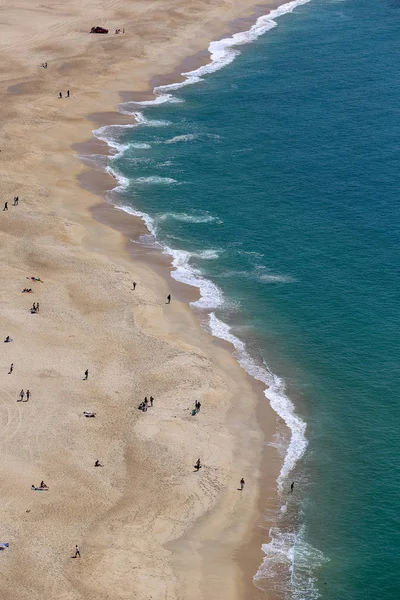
<point x="147" y="525"/>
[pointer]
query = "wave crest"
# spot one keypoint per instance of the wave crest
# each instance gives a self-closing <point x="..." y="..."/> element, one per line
<point x="156" y="179"/>
<point x="187" y="218"/>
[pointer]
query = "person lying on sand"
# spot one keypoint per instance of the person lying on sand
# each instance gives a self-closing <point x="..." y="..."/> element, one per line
<point x="39" y="488"/>
<point x="89" y="414"/>
<point x="35" y="279"/>
<point x="27" y="291"/>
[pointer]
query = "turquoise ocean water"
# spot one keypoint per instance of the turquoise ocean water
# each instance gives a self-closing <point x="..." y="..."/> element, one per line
<point x="274" y="184"/>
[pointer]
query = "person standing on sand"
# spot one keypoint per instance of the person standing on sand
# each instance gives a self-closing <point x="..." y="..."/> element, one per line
<point x="28" y="395"/>
<point x="134" y="285"/>
<point x="11" y="368"/>
<point x="242" y="482"/>
<point x="151" y="400"/>
<point x="292" y="487"/>
<point x="197" y="466"/>
<point x="86" y="374"/>
<point x="67" y="93"/>
<point x="77" y="552"/>
<point x="37" y="306"/>
<point x="60" y="95"/>
<point x="168" y="299"/>
<point x="21" y="396"/>
<point x="5" y="206"/>
<point x="16" y="200"/>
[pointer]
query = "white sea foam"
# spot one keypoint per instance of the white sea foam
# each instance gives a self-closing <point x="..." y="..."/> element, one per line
<point x="210" y="294"/>
<point x="300" y="558"/>
<point x="123" y="182"/>
<point x="128" y="107"/>
<point x="141" y="145"/>
<point x="110" y="134"/>
<point x="275" y="393"/>
<point x="181" y="138"/>
<point x="142" y="120"/>
<point x="269" y="278"/>
<point x="187" y="218"/>
<point x="156" y="179"/>
<point x="148" y="221"/>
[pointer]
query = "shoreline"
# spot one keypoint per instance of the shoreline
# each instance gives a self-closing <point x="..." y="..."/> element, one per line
<point x="161" y="262"/>
<point x="65" y="246"/>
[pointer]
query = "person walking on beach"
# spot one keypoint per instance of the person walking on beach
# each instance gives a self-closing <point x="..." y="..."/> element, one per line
<point x="292" y="487"/>
<point x="242" y="482"/>
<point x="16" y="200"/>
<point x="11" y="368"/>
<point x="86" y="375"/>
<point x="67" y="93"/>
<point x="37" y="306"/>
<point x="60" y="95"/>
<point x="134" y="285"/>
<point x="77" y="552"/>
<point x="168" y="299"/>
<point x="5" y="206"/>
<point x="151" y="400"/>
<point x="28" y="395"/>
<point x="21" y="396"/>
<point x="197" y="466"/>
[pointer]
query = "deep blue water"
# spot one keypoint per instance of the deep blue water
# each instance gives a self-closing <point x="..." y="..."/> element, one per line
<point x="284" y="191"/>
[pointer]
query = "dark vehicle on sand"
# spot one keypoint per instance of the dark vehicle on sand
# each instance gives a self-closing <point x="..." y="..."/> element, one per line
<point x="98" y="30"/>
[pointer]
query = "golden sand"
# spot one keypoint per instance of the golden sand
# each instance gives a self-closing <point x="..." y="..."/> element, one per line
<point x="147" y="525"/>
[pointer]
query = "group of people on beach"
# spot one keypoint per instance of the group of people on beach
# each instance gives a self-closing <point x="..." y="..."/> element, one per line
<point x="22" y="396"/>
<point x="197" y="406"/>
<point x="145" y="404"/>
<point x="15" y="203"/>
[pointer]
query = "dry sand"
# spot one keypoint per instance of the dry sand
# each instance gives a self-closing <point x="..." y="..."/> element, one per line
<point x="146" y="524"/>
